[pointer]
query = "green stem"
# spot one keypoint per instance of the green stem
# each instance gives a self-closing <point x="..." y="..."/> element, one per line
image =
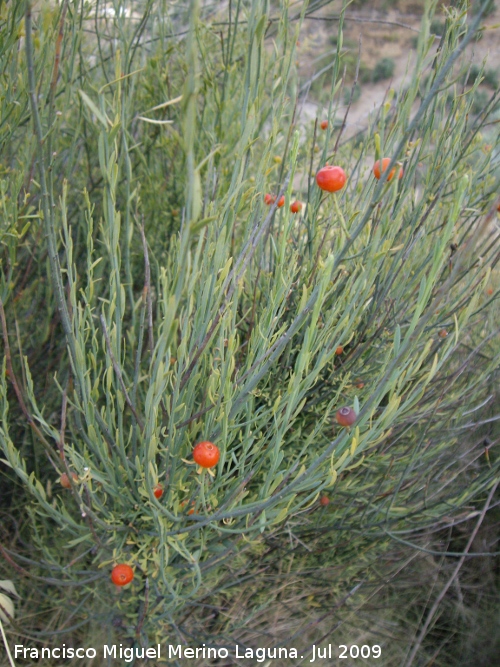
<point x="48" y="217"/>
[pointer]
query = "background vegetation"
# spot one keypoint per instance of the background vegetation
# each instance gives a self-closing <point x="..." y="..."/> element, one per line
<point x="150" y="299"/>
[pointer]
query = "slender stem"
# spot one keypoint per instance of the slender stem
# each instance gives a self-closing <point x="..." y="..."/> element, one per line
<point x="8" y="358"/>
<point x="48" y="216"/>
<point x="147" y="289"/>
<point x="243" y="260"/>
<point x="119" y="375"/>
<point x="7" y="649"/>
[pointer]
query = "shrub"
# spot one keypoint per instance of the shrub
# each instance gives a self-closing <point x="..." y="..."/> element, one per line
<point x="481" y="99"/>
<point x="355" y="92"/>
<point x="491" y="78"/>
<point x="437" y="27"/>
<point x="490" y="7"/>
<point x="384" y="69"/>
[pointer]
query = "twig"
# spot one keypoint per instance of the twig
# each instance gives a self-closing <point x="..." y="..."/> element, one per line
<point x="119" y="375"/>
<point x="144" y="611"/>
<point x="354" y="19"/>
<point x="7" y="650"/>
<point x="17" y="568"/>
<point x="147" y="288"/>
<point x="63" y="423"/>
<point x="354" y="84"/>
<point x="55" y="71"/>
<point x="17" y="391"/>
<point x="357" y="19"/>
<point x="440" y="597"/>
<point x="233" y="280"/>
<point x="45" y="197"/>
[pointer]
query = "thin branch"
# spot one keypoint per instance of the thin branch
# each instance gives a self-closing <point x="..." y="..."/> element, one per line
<point x="5" y="639"/>
<point x="144" y="610"/>
<point x="351" y="96"/>
<point x="357" y="19"/>
<point x="233" y="280"/>
<point x="63" y="424"/>
<point x="20" y="399"/>
<point x="147" y="288"/>
<point x="45" y="196"/>
<point x="119" y="375"/>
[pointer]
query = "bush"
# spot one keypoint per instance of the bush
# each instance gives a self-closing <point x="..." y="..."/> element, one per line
<point x="437" y="27"/>
<point x="355" y="91"/>
<point x="384" y="69"/>
<point x="489" y="9"/>
<point x="151" y="300"/>
<point x="491" y="78"/>
<point x="481" y="99"/>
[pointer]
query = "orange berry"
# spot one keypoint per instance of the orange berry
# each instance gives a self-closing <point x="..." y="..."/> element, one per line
<point x="331" y="178"/>
<point x="281" y="201"/>
<point x="443" y="333"/>
<point x="346" y="416"/>
<point x="64" y="480"/>
<point x="206" y="454"/>
<point x="296" y="206"/>
<point x="360" y="385"/>
<point x="183" y="504"/>
<point x="269" y="199"/>
<point x="339" y="350"/>
<point x="158" y="491"/>
<point x="489" y="291"/>
<point x="324" y="501"/>
<point x="385" y="163"/>
<point x="122" y="574"/>
<point x="324" y="124"/>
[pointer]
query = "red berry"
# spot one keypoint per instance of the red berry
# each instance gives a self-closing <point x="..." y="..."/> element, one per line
<point x="183" y="504"/>
<point x="339" y="350"/>
<point x="443" y="333"/>
<point x="385" y="163"/>
<point x="122" y="574"/>
<point x="296" y="206"/>
<point x="331" y="178"/>
<point x="206" y="454"/>
<point x="346" y="416"/>
<point x="281" y="201"/>
<point x="324" y="124"/>
<point x="64" y="480"/>
<point x="324" y="501"/>
<point x="269" y="199"/>
<point x="158" y="491"/>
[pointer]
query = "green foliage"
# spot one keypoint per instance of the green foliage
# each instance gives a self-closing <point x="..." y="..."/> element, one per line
<point x="352" y="94"/>
<point x="152" y="301"/>
<point x="437" y="27"/>
<point x="488" y="77"/>
<point x="481" y="99"/>
<point x="384" y="69"/>
<point x="488" y="6"/>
